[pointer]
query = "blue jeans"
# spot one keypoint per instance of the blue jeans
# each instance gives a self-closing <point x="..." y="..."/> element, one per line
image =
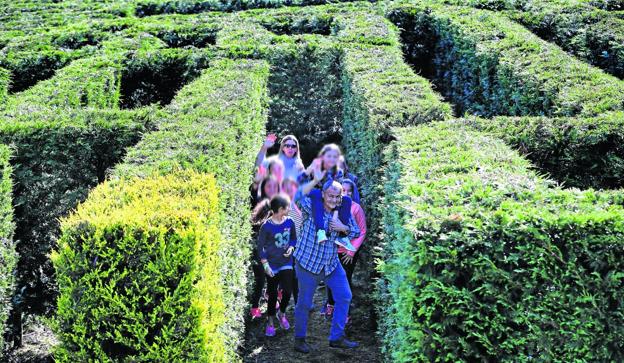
<point x="344" y="210"/>
<point x="338" y="283"/>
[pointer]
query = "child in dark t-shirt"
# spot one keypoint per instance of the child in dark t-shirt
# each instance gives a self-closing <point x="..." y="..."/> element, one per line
<point x="276" y="242"/>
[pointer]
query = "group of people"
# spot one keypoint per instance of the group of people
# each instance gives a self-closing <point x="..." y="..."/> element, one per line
<point x="308" y="227"/>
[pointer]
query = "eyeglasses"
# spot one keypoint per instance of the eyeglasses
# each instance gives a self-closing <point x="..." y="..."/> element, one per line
<point x="290" y="146"/>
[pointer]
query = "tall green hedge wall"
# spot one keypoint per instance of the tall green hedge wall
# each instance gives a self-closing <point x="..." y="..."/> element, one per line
<point x="211" y="127"/>
<point x="8" y="257"/>
<point x="488" y="65"/>
<point x="484" y="260"/>
<point x="89" y="82"/>
<point x="594" y="35"/>
<point x="139" y="273"/>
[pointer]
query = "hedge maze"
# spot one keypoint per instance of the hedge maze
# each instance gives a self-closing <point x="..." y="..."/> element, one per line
<point x="487" y="136"/>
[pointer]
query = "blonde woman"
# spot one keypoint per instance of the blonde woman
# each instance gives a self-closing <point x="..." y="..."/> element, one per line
<point x="288" y="153"/>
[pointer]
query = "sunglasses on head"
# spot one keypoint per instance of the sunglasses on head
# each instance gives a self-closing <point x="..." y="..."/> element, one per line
<point x="290" y="146"/>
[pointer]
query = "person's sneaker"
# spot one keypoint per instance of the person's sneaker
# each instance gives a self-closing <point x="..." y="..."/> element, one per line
<point x="255" y="313"/>
<point x="343" y="343"/>
<point x="329" y="311"/>
<point x="301" y="346"/>
<point x="283" y="321"/>
<point x="321" y="236"/>
<point x="270" y="331"/>
<point x="345" y="243"/>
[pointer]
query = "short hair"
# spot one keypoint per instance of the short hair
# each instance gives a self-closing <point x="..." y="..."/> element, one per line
<point x="330" y="183"/>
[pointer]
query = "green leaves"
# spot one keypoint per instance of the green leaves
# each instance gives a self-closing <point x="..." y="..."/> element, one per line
<point x="525" y="273"/>
<point x="153" y="265"/>
<point x="489" y="66"/>
<point x="8" y="257"/>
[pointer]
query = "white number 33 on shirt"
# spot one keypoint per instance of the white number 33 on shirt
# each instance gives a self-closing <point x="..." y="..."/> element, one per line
<point x="281" y="239"/>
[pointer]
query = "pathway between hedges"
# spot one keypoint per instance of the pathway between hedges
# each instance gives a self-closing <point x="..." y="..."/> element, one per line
<point x="279" y="349"/>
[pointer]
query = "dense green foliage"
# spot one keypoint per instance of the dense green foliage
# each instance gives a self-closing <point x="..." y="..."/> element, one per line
<point x="489" y="65"/>
<point x="480" y="258"/>
<point x="8" y="257"/>
<point x="57" y="158"/>
<point x="306" y="97"/>
<point x="153" y="7"/>
<point x="594" y="35"/>
<point x="155" y="76"/>
<point x="484" y="260"/>
<point x="578" y="152"/>
<point x="138" y="268"/>
<point x="211" y="127"/>
<point x="380" y="91"/>
<point x="89" y="82"/>
<point x="584" y="28"/>
<point x="5" y="79"/>
<point x="29" y="67"/>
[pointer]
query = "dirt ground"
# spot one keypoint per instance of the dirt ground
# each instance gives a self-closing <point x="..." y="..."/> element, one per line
<point x="38" y="340"/>
<point x="279" y="349"/>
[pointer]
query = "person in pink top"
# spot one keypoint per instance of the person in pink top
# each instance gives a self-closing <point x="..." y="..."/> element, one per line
<point x="348" y="258"/>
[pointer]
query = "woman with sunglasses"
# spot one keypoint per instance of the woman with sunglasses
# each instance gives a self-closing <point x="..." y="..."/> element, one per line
<point x="288" y="153"/>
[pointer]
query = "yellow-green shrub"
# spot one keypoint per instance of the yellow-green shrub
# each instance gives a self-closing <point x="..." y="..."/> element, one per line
<point x="138" y="270"/>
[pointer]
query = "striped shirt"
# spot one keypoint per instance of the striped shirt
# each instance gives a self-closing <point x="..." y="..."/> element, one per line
<point x="314" y="256"/>
<point x="296" y="216"/>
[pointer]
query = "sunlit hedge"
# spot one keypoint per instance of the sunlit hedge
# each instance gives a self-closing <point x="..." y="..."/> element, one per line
<point x="484" y="260"/>
<point x="89" y="82"/>
<point x="138" y="268"/>
<point x="489" y="65"/>
<point x="210" y="128"/>
<point x="5" y="79"/>
<point x="578" y="152"/>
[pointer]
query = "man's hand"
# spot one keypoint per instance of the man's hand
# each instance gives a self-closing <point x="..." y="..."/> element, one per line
<point x="289" y="251"/>
<point x="336" y="225"/>
<point x="346" y="258"/>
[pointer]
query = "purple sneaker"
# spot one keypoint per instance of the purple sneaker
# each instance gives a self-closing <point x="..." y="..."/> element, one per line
<point x="270" y="331"/>
<point x="283" y="321"/>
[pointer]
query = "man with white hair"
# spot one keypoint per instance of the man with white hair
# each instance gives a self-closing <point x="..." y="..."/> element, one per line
<point x="318" y="261"/>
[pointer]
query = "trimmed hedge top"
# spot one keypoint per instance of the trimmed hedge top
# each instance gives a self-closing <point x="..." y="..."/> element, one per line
<point x="578" y="152"/>
<point x="489" y="65"/>
<point x="90" y="82"/>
